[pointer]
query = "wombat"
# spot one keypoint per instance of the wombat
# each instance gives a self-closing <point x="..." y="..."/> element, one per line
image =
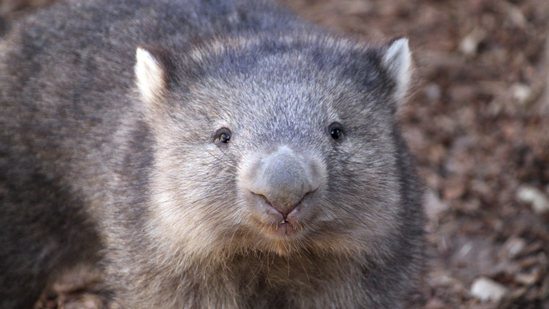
<point x="10" y="9"/>
<point x="205" y="154"/>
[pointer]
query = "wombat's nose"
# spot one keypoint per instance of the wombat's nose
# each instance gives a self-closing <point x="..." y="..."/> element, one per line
<point x="284" y="179"/>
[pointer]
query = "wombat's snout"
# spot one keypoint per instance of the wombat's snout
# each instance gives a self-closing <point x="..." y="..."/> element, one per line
<point x="284" y="179"/>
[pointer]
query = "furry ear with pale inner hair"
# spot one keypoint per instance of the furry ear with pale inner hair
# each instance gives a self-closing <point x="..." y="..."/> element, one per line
<point x="150" y="74"/>
<point x="397" y="60"/>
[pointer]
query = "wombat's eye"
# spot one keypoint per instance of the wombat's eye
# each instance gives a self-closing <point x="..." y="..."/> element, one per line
<point x="223" y="136"/>
<point x="336" y="131"/>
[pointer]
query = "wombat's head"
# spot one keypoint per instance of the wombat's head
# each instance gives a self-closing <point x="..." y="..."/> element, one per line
<point x="274" y="145"/>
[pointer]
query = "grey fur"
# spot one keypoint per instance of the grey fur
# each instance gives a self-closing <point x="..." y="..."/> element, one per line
<point x="92" y="168"/>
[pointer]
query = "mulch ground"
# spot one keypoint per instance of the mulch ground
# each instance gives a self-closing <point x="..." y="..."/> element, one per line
<point x="478" y="124"/>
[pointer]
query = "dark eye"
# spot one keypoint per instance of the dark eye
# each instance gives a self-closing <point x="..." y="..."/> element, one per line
<point x="223" y="136"/>
<point x="336" y="131"/>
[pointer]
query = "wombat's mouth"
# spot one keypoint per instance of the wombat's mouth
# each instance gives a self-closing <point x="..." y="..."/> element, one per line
<point x="284" y="228"/>
<point x="278" y="223"/>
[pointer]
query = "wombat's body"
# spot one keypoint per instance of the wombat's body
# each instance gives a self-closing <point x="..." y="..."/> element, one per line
<point x="213" y="154"/>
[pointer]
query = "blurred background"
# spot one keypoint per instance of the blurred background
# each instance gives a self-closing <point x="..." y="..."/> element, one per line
<point x="477" y="121"/>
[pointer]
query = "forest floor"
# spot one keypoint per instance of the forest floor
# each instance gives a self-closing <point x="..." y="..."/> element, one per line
<point x="478" y="124"/>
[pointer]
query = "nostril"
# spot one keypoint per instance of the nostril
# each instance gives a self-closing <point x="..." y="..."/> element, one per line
<point x="284" y="208"/>
<point x="266" y="201"/>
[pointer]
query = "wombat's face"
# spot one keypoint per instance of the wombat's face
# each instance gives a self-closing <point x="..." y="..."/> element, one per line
<point x="278" y="146"/>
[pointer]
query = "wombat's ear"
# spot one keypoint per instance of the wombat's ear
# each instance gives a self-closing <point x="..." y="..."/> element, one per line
<point x="151" y="74"/>
<point x="397" y="59"/>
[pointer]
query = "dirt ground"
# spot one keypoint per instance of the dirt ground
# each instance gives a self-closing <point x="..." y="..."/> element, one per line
<point x="478" y="124"/>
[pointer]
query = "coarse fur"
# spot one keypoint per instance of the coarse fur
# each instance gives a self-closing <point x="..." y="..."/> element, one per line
<point x="112" y="115"/>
